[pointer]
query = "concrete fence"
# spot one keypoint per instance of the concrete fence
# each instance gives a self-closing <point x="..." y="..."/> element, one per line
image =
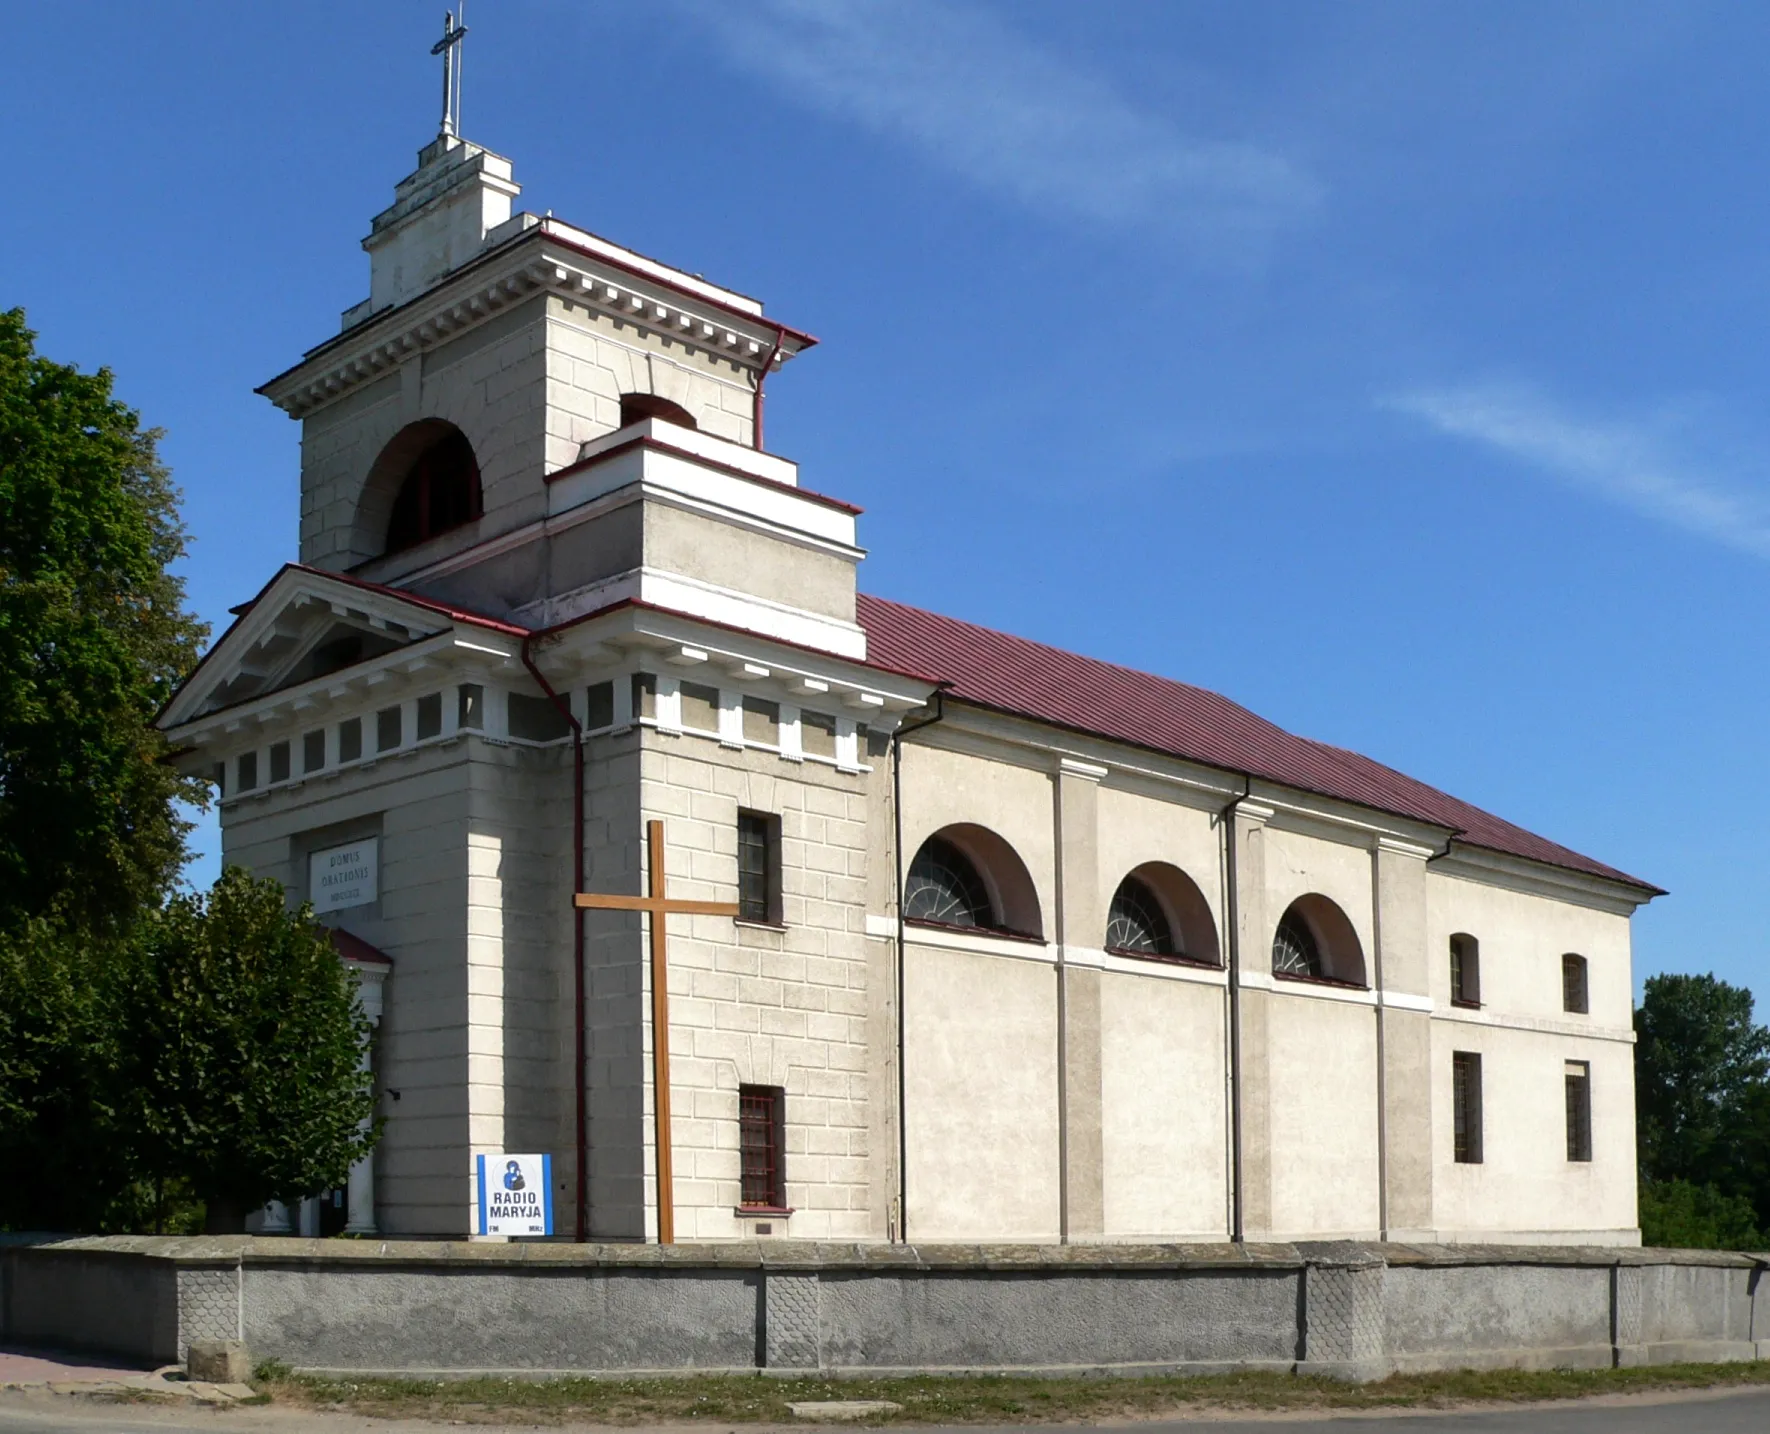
<point x="1353" y="1311"/>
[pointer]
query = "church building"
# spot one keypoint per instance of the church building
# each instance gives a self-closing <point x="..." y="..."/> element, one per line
<point x="962" y="937"/>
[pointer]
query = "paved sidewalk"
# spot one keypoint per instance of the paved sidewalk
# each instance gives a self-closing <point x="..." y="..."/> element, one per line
<point x="59" y="1372"/>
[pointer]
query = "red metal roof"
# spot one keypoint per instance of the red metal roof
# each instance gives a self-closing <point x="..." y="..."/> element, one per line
<point x="1011" y="674"/>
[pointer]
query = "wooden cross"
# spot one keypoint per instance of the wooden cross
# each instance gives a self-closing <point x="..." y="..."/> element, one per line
<point x="659" y="905"/>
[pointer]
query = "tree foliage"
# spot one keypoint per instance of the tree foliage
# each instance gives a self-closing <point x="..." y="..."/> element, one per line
<point x="93" y="638"/>
<point x="243" y="1052"/>
<point x="1702" y="1096"/>
<point x="214" y="1054"/>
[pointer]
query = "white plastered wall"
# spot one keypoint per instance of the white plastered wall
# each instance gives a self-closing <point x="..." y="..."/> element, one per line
<point x="1326" y="1164"/>
<point x="1163" y="1056"/>
<point x="1525" y="1186"/>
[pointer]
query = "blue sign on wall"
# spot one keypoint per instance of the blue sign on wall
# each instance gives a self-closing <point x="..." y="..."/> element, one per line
<point x="515" y="1194"/>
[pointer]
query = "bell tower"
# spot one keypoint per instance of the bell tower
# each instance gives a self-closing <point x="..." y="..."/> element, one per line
<point x="533" y="422"/>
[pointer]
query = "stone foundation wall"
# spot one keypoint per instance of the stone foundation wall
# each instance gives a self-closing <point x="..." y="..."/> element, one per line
<point x="1350" y="1311"/>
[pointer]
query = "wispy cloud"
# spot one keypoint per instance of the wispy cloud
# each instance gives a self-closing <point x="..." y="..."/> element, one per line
<point x="994" y="106"/>
<point x="1657" y="466"/>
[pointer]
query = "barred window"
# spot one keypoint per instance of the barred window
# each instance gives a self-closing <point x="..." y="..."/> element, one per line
<point x="1294" y="952"/>
<point x="759" y="882"/>
<point x="1466" y="1104"/>
<point x="1579" y="1110"/>
<point x="1136" y="923"/>
<point x="762" y="1123"/>
<point x="1574" y="996"/>
<point x="944" y="887"/>
<point x="1465" y="970"/>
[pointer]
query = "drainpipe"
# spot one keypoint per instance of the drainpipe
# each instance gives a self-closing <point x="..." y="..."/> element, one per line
<point x="582" y="1223"/>
<point x="780" y="339"/>
<point x="903" y="1146"/>
<point x="1232" y="922"/>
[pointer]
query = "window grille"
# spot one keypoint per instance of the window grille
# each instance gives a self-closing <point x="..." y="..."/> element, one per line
<point x="1466" y="1101"/>
<point x="1574" y="996"/>
<point x="1294" y="950"/>
<point x="944" y="887"/>
<point x="1465" y="971"/>
<point x="1579" y="1110"/>
<point x="440" y="491"/>
<point x="1136" y="923"/>
<point x="759" y="888"/>
<point x="762" y="1121"/>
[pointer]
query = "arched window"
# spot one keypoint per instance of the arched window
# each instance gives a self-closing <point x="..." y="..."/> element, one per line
<point x="1159" y="913"/>
<point x="635" y="406"/>
<point x="965" y="875"/>
<point x="1136" y="925"/>
<point x="1315" y="941"/>
<point x="943" y="886"/>
<point x="1294" y="952"/>
<point x="1575" y="996"/>
<point x="1465" y="970"/>
<point x="438" y="482"/>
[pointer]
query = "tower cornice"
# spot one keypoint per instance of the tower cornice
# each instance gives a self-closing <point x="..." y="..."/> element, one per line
<point x="539" y="256"/>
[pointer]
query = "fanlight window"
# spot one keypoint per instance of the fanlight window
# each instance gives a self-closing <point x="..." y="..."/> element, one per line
<point x="1294" y="949"/>
<point x="440" y="491"/>
<point x="943" y="886"/>
<point x="1136" y="924"/>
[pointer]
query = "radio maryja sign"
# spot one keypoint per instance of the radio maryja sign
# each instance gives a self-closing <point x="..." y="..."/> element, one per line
<point x="515" y="1194"/>
<point x="345" y="876"/>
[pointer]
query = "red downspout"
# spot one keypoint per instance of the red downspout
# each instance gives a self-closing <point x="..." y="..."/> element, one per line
<point x="582" y="1225"/>
<point x="780" y="339"/>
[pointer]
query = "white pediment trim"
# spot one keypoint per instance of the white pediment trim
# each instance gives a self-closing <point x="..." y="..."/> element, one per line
<point x="254" y="661"/>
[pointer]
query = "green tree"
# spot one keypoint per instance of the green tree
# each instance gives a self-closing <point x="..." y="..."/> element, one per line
<point x="93" y="638"/>
<point x="241" y="1051"/>
<point x="1678" y="1215"/>
<point x="1699" y="1060"/>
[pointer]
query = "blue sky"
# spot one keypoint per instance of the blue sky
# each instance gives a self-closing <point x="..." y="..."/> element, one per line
<point x="1396" y="369"/>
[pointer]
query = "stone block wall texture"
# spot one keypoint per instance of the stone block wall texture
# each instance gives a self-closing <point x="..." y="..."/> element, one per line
<point x="1349" y="1311"/>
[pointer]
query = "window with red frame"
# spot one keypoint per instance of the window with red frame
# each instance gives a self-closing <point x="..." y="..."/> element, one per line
<point x="762" y="1132"/>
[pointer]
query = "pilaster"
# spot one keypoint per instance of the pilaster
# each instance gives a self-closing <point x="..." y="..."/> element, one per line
<point x="1404" y="1037"/>
<point x="1252" y="1075"/>
<point x="1081" y="922"/>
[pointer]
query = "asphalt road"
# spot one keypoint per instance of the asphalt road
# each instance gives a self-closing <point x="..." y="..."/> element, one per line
<point x="1745" y="1413"/>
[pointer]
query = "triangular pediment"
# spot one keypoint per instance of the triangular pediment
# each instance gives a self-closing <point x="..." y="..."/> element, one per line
<point x="304" y="626"/>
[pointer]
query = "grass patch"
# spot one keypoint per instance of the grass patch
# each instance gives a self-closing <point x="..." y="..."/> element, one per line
<point x="751" y="1398"/>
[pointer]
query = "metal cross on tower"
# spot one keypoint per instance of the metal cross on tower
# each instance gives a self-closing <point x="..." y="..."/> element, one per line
<point x="449" y="47"/>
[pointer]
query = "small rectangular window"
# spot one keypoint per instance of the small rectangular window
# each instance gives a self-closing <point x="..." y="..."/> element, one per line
<point x="536" y="719"/>
<point x="350" y="739"/>
<point x="470" y="707"/>
<point x="430" y="716"/>
<point x="599" y="706"/>
<point x="700" y="707"/>
<point x="1579" y="1110"/>
<point x="313" y="751"/>
<point x="387" y="729"/>
<point x="645" y="694"/>
<point x="1574" y="996"/>
<point x="759" y="886"/>
<point x="762" y="1143"/>
<point x="1465" y="971"/>
<point x="248" y="771"/>
<point x="279" y="761"/>
<point x="762" y="721"/>
<point x="1466" y="1101"/>
<point x="817" y="734"/>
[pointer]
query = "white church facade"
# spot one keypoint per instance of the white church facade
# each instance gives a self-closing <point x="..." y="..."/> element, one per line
<point x="1027" y="947"/>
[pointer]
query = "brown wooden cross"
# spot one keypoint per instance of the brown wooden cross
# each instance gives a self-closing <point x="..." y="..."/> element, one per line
<point x="659" y="905"/>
